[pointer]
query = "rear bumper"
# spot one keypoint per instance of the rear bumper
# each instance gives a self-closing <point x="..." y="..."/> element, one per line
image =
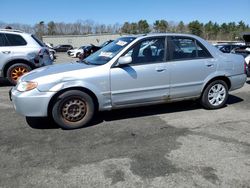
<point x="237" y="81"/>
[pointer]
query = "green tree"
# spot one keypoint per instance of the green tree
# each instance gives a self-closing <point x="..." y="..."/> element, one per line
<point x="181" y="27"/>
<point x="195" y="27"/>
<point x="126" y="27"/>
<point x="216" y="30"/>
<point x="224" y="31"/>
<point x="160" y="26"/>
<point x="133" y="28"/>
<point x="242" y="26"/>
<point x="208" y="30"/>
<point x="143" y="26"/>
<point x="233" y="30"/>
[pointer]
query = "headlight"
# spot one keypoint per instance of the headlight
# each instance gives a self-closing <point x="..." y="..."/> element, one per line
<point x="26" y="86"/>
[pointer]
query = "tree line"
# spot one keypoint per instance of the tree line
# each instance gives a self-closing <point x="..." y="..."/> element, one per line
<point x="209" y="31"/>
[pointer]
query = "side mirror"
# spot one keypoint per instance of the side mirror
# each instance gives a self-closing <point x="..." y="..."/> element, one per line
<point x="124" y="60"/>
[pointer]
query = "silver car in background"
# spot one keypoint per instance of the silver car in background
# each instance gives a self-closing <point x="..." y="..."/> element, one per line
<point x="20" y="52"/>
<point x="131" y="71"/>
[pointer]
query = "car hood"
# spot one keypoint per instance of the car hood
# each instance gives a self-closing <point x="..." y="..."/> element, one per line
<point x="55" y="72"/>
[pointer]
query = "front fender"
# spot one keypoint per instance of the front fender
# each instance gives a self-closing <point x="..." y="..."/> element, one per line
<point x="103" y="95"/>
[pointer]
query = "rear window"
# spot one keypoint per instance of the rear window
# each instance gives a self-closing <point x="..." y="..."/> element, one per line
<point x="38" y="41"/>
<point x="15" y="40"/>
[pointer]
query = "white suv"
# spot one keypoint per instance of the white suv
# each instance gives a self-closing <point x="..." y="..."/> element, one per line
<point x="20" y="53"/>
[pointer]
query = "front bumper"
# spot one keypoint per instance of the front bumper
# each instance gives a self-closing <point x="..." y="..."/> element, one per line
<point x="31" y="103"/>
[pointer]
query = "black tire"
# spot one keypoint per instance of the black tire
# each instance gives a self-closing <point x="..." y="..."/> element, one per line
<point x="73" y="109"/>
<point x="77" y="55"/>
<point x="215" y="95"/>
<point x="15" y="71"/>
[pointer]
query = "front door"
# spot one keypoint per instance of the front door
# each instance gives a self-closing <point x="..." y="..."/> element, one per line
<point x="145" y="79"/>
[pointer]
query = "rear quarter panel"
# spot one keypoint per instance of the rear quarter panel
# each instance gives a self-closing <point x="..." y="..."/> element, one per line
<point x="232" y="64"/>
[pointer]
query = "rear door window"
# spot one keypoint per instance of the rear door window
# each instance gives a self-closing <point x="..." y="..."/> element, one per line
<point x="180" y="48"/>
<point x="15" y="40"/>
<point x="3" y="41"/>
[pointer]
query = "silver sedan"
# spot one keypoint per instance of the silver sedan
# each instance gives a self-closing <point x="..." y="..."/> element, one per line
<point x="131" y="71"/>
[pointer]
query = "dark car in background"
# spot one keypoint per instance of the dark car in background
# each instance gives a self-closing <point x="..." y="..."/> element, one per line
<point x="63" y="48"/>
<point x="226" y="48"/>
<point x="87" y="50"/>
<point x="242" y="50"/>
<point x="90" y="49"/>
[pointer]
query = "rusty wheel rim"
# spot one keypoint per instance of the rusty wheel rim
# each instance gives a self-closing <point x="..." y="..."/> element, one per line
<point x="17" y="72"/>
<point x="74" y="109"/>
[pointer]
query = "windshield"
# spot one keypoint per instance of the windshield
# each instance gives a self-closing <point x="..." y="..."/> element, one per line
<point x="106" y="53"/>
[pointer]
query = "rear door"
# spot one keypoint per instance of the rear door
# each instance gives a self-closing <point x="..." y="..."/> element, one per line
<point x="191" y="63"/>
<point x="146" y="79"/>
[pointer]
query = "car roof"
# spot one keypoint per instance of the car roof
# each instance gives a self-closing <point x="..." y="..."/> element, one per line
<point x="11" y="31"/>
<point x="161" y="35"/>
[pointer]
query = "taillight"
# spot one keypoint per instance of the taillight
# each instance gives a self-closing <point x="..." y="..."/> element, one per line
<point x="245" y="67"/>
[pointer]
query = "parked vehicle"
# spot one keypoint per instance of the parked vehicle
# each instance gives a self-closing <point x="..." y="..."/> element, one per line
<point x="226" y="48"/>
<point x="90" y="49"/>
<point x="52" y="52"/>
<point x="245" y="52"/>
<point x="63" y="48"/>
<point x="20" y="53"/>
<point x="246" y="38"/>
<point x="131" y="71"/>
<point x="75" y="52"/>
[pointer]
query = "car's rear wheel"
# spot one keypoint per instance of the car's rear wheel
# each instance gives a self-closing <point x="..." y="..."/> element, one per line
<point x="215" y="95"/>
<point x="73" y="109"/>
<point x="15" y="71"/>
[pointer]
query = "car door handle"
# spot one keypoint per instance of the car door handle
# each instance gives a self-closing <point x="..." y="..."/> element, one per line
<point x="6" y="52"/>
<point x="209" y="64"/>
<point x="160" y="69"/>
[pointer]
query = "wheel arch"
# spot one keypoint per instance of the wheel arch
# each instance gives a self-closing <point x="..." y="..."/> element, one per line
<point x="224" y="78"/>
<point x="89" y="92"/>
<point x="15" y="61"/>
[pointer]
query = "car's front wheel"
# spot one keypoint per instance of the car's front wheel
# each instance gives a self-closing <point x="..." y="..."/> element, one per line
<point x="215" y="95"/>
<point x="73" y="109"/>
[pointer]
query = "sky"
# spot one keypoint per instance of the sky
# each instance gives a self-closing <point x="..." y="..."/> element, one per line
<point x="119" y="11"/>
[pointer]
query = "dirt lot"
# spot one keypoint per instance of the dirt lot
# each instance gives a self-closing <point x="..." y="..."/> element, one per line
<point x="170" y="145"/>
